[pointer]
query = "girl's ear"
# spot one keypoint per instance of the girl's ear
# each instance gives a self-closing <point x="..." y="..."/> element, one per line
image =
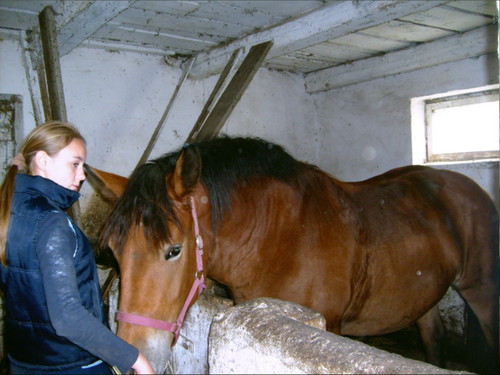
<point x="40" y="159"/>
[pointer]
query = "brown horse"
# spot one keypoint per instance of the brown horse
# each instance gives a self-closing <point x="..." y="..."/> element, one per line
<point x="371" y="256"/>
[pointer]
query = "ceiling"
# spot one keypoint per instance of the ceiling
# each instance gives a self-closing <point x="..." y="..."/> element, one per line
<point x="308" y="36"/>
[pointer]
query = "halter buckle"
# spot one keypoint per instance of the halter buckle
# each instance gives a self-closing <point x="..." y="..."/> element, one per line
<point x="199" y="241"/>
<point x="198" y="274"/>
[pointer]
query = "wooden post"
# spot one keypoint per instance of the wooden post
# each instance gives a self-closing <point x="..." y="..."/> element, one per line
<point x="52" y="64"/>
<point x="54" y="78"/>
<point x="233" y="92"/>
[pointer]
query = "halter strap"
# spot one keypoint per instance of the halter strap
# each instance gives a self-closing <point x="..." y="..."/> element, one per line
<point x="196" y="289"/>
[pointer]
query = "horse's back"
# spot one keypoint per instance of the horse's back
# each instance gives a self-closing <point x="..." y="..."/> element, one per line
<point x="420" y="230"/>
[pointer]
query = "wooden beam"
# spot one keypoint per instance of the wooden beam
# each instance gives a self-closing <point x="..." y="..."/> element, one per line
<point x="87" y="20"/>
<point x="334" y="20"/>
<point x="233" y="92"/>
<point x="52" y="64"/>
<point x="215" y="92"/>
<point x="163" y="119"/>
<point x="453" y="48"/>
<point x="54" y="79"/>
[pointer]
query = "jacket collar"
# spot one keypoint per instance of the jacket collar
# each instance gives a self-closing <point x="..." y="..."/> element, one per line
<point x="61" y="196"/>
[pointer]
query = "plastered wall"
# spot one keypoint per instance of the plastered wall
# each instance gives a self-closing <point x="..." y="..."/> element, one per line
<point x="365" y="128"/>
<point x="117" y="99"/>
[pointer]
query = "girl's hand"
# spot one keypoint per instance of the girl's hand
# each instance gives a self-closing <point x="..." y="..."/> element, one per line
<point x="142" y="365"/>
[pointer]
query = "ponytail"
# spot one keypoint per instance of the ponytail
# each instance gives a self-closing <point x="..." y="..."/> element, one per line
<point x="6" y="193"/>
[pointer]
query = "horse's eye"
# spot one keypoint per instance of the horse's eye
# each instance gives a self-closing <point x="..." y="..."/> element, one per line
<point x="173" y="251"/>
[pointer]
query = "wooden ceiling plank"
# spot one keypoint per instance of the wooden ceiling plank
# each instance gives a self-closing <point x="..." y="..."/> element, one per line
<point x="406" y="32"/>
<point x="457" y="47"/>
<point x="87" y="21"/>
<point x="279" y="8"/>
<point x="370" y="42"/>
<point x="298" y="63"/>
<point x="109" y="31"/>
<point x="448" y="18"/>
<point x="156" y="39"/>
<point x="336" y="51"/>
<point x="15" y="19"/>
<point x="331" y="21"/>
<point x="487" y="7"/>
<point x="178" y="8"/>
<point x="228" y="12"/>
<point x="140" y="18"/>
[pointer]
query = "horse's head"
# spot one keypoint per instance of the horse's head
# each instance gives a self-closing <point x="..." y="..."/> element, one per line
<point x="153" y="233"/>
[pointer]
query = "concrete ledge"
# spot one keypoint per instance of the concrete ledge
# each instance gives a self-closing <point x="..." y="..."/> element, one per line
<point x="272" y="336"/>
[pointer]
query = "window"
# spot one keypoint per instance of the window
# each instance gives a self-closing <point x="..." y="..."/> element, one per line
<point x="456" y="127"/>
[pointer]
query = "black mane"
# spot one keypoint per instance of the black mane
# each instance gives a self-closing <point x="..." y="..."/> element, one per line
<point x="225" y="161"/>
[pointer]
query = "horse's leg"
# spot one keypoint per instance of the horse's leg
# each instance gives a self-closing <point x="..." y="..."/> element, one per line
<point x="432" y="334"/>
<point x="478" y="285"/>
<point x="483" y="302"/>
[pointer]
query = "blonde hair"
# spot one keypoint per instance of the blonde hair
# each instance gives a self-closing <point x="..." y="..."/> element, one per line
<point x="50" y="137"/>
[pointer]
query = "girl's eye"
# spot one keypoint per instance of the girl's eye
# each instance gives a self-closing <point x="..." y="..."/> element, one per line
<point x="173" y="251"/>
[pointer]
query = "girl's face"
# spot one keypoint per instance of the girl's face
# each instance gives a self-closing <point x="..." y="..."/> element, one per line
<point x="65" y="167"/>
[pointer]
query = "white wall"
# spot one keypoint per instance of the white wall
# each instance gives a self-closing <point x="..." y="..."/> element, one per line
<point x="365" y="128"/>
<point x="117" y="99"/>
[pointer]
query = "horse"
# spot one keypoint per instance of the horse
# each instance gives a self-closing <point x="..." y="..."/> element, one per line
<point x="372" y="257"/>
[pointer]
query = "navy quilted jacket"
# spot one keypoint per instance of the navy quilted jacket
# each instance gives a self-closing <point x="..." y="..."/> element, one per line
<point x="54" y="310"/>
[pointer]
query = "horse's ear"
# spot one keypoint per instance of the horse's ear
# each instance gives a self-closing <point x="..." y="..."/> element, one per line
<point x="187" y="172"/>
<point x="110" y="186"/>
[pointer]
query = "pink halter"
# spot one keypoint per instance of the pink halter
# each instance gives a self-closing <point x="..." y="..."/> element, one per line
<point x="196" y="289"/>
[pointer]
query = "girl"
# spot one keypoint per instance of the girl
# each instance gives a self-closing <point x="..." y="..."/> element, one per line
<point x="55" y="321"/>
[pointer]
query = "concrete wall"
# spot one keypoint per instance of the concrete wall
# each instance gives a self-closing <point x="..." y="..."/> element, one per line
<point x="365" y="128"/>
<point x="117" y="98"/>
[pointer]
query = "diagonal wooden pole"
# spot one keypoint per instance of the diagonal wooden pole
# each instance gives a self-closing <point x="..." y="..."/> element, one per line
<point x="233" y="92"/>
<point x="216" y="90"/>
<point x="161" y="123"/>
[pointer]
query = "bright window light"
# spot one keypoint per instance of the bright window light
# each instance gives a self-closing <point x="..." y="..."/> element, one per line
<point x="463" y="127"/>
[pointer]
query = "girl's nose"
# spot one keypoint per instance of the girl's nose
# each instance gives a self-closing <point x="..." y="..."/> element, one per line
<point x="81" y="174"/>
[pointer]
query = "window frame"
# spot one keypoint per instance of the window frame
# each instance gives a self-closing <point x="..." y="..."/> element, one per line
<point x="456" y="101"/>
<point x="421" y="124"/>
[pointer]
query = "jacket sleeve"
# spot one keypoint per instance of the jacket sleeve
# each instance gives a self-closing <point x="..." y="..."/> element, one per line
<point x="70" y="319"/>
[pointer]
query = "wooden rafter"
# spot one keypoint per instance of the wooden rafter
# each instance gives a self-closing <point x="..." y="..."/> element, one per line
<point x="334" y="20"/>
<point x="87" y="20"/>
<point x="216" y="90"/>
<point x="453" y="48"/>
<point x="233" y="92"/>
